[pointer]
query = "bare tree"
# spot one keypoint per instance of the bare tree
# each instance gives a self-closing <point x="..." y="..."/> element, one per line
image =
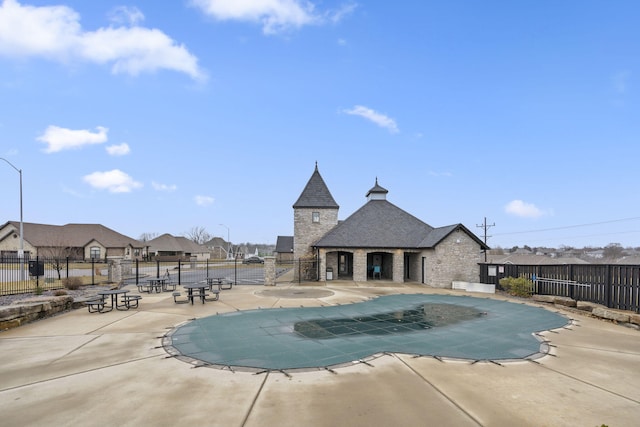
<point x="612" y="251"/>
<point x="145" y="237"/>
<point x="56" y="256"/>
<point x="198" y="235"/>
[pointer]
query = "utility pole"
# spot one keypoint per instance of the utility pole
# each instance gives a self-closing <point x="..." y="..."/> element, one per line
<point x="485" y="227"/>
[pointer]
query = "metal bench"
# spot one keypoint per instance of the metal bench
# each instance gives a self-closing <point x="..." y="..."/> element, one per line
<point x="95" y="305"/>
<point x="131" y="301"/>
<point x="143" y="287"/>
<point x="216" y="294"/>
<point x="179" y="301"/>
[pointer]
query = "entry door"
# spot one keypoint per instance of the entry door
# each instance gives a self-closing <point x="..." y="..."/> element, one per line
<point x="345" y="264"/>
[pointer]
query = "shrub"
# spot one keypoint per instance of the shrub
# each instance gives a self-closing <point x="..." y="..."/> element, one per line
<point x="520" y="287"/>
<point x="59" y="293"/>
<point x="72" y="283"/>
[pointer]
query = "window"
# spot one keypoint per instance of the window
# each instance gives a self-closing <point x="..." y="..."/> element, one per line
<point x="315" y="217"/>
<point x="94" y="252"/>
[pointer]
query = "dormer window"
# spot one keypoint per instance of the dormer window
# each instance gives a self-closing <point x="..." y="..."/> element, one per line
<point x="315" y="216"/>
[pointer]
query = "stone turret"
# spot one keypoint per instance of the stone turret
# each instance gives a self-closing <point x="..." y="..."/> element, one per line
<point x="314" y="214"/>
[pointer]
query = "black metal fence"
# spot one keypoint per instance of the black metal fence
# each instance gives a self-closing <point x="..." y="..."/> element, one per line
<point x="615" y="286"/>
<point x="39" y="274"/>
<point x="307" y="270"/>
<point x="234" y="271"/>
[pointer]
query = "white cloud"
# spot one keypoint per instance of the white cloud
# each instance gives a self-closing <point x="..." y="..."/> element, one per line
<point x="118" y="150"/>
<point x="125" y="15"/>
<point x="274" y="15"/>
<point x="523" y="209"/>
<point x="344" y="10"/>
<point x="375" y="117"/>
<point x="54" y="32"/>
<point x="203" y="200"/>
<point x="163" y="187"/>
<point x="58" y="139"/>
<point x="114" y="181"/>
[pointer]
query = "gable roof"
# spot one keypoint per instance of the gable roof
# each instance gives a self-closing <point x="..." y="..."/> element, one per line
<point x="284" y="244"/>
<point x="439" y="234"/>
<point x="316" y="194"/>
<point x="169" y="243"/>
<point x="74" y="235"/>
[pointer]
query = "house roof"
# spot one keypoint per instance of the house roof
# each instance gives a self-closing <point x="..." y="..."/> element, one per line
<point x="169" y="243"/>
<point x="284" y="244"/>
<point x="378" y="223"/>
<point x="381" y="224"/>
<point x="216" y="241"/>
<point x="532" y="259"/>
<point x="74" y="235"/>
<point x="316" y="194"/>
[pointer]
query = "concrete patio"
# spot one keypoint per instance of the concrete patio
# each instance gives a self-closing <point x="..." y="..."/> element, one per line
<point x="81" y="368"/>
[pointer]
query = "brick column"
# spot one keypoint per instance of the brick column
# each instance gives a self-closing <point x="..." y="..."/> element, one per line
<point x="269" y="271"/>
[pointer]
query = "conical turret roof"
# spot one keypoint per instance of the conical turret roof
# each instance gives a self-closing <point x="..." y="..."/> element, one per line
<point x="316" y="194"/>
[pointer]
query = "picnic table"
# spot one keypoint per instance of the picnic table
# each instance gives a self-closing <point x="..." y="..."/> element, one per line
<point x="202" y="288"/>
<point x="113" y="293"/>
<point x="158" y="284"/>
<point x="211" y="281"/>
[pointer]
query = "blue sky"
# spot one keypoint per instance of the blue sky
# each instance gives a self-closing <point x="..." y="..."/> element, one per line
<point x="159" y="119"/>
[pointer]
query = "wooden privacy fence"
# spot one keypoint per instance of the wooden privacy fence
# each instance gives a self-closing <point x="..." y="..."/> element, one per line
<point x="612" y="285"/>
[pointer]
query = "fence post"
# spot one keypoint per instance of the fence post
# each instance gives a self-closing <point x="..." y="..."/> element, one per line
<point x="570" y="279"/>
<point x="93" y="271"/>
<point x="607" y="285"/>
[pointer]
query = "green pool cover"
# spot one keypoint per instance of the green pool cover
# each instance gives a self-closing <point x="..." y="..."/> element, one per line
<point x="314" y="337"/>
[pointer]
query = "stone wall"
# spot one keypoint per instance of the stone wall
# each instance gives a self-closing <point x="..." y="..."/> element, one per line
<point x="596" y="310"/>
<point x="21" y="312"/>
<point x="456" y="258"/>
<point x="306" y="232"/>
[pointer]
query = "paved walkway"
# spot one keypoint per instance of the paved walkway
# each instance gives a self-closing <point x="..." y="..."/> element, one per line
<point x="88" y="369"/>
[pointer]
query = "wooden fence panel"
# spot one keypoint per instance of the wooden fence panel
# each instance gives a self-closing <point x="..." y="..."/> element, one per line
<point x="612" y="285"/>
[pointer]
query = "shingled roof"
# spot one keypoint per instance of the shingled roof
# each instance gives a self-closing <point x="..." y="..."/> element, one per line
<point x="379" y="224"/>
<point x="169" y="243"/>
<point x="74" y="235"/>
<point x="316" y="194"/>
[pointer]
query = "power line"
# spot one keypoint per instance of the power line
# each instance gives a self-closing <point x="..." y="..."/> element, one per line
<point x="568" y="226"/>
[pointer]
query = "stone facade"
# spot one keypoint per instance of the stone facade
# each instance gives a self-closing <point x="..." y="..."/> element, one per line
<point x="456" y="258"/>
<point x="380" y="235"/>
<point x="307" y="232"/>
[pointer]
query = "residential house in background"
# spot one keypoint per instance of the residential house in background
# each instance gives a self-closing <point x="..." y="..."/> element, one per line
<point x="380" y="241"/>
<point x="167" y="247"/>
<point x="219" y="248"/>
<point x="284" y="249"/>
<point x="75" y="241"/>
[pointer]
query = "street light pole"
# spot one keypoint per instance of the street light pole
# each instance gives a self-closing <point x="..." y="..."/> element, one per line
<point x="228" y="242"/>
<point x="21" y="251"/>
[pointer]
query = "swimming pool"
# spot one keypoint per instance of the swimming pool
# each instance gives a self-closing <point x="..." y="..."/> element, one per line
<point x="446" y="326"/>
